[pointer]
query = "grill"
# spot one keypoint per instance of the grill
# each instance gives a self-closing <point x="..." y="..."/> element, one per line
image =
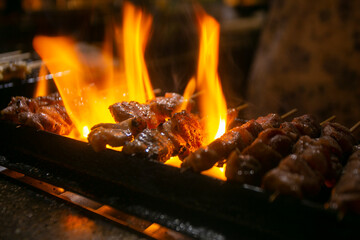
<point x="192" y="204"/>
<point x="156" y="200"/>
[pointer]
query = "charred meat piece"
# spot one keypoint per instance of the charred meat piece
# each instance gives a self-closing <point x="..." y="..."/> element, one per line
<point x="238" y="137"/>
<point x="151" y="144"/>
<point x="268" y="157"/>
<point x="153" y="112"/>
<point x="179" y="135"/>
<point x="321" y="155"/>
<point x="307" y="125"/>
<point x="346" y="193"/>
<point x="243" y="169"/>
<point x="272" y="120"/>
<point x="270" y="147"/>
<point x="206" y="157"/>
<point x="290" y="130"/>
<point x="321" y="159"/>
<point x="292" y="177"/>
<point x="44" y="113"/>
<point x="341" y="134"/>
<point x="277" y="139"/>
<point x="115" y="134"/>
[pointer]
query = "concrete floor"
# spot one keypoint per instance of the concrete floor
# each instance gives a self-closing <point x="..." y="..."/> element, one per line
<point x="28" y="214"/>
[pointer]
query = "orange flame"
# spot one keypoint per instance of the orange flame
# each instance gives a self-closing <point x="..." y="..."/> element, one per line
<point x="136" y="28"/>
<point x="87" y="92"/>
<point x="41" y="86"/>
<point x="212" y="101"/>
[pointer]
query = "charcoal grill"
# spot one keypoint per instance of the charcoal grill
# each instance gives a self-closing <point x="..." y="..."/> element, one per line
<point x="192" y="204"/>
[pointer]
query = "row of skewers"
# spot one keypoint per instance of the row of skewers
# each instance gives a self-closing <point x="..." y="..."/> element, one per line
<point x="297" y="158"/>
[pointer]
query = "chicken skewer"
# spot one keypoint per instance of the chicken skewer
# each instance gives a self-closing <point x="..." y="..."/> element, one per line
<point x="132" y="118"/>
<point x="249" y="165"/>
<point x="153" y="112"/>
<point x="238" y="137"/>
<point x="43" y="113"/>
<point x="135" y="119"/>
<point x="345" y="195"/>
<point x="180" y="135"/>
<point x="314" y="163"/>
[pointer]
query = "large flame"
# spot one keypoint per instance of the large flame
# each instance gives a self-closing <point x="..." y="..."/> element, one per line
<point x="42" y="84"/>
<point x="212" y="101"/>
<point x="87" y="92"/>
<point x="213" y="107"/>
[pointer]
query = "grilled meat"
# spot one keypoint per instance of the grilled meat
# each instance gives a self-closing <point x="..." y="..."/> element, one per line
<point x="153" y="112"/>
<point x="44" y="113"/>
<point x="115" y="134"/>
<point x="238" y="137"/>
<point x="346" y="193"/>
<point x="180" y="135"/>
<point x="292" y="177"/>
<point x="267" y="150"/>
<point x="342" y="135"/>
<point x="243" y="168"/>
<point x="322" y="155"/>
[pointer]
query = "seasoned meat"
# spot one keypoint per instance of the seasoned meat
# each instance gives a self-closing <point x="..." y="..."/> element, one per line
<point x="116" y="134"/>
<point x="320" y="155"/>
<point x="292" y="177"/>
<point x="43" y="113"/>
<point x="151" y="144"/>
<point x="243" y="168"/>
<point x="290" y="130"/>
<point x="179" y="135"/>
<point x="267" y="156"/>
<point x="307" y="125"/>
<point x="271" y="146"/>
<point x="277" y="139"/>
<point x="272" y="120"/>
<point x="341" y="134"/>
<point x="206" y="157"/>
<point x="346" y="193"/>
<point x="154" y="112"/>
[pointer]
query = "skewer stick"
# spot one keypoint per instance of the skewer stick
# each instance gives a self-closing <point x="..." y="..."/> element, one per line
<point x="328" y="120"/>
<point x="289" y="113"/>
<point x="241" y="107"/>
<point x="6" y="54"/>
<point x="195" y="95"/>
<point x="274" y="196"/>
<point x="15" y="57"/>
<point x="353" y="128"/>
<point x="157" y="91"/>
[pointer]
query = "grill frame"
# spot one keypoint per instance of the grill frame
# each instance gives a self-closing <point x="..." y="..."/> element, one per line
<point x="191" y="203"/>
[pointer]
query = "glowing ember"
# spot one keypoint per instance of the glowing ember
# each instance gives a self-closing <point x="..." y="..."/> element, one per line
<point x="88" y="92"/>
